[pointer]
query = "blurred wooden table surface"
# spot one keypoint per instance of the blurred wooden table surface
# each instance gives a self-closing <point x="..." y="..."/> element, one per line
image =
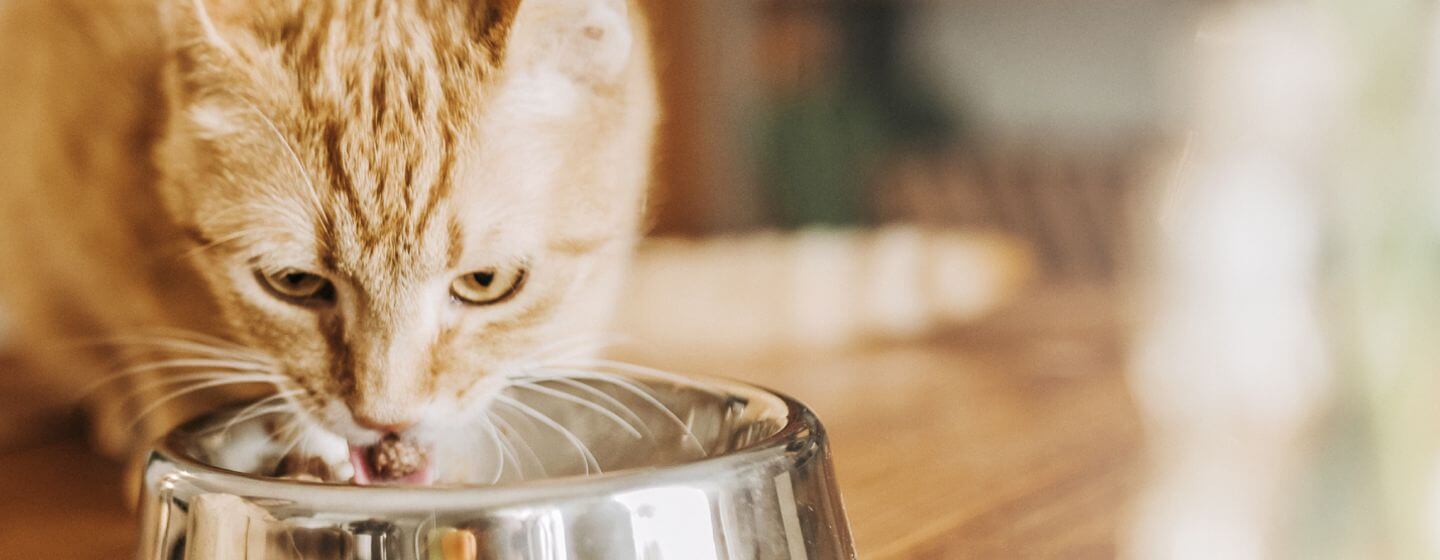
<point x="1014" y="438"/>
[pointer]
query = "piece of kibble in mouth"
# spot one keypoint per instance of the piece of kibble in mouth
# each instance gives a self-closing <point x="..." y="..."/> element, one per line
<point x="394" y="458"/>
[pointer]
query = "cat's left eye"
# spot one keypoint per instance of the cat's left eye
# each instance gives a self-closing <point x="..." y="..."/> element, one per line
<point x="298" y="286"/>
<point x="489" y="286"/>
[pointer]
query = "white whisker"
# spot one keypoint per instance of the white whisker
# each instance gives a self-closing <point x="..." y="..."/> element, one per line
<point x="135" y="341"/>
<point x="499" y="452"/>
<point x="228" y="378"/>
<point x="634" y="389"/>
<point x="605" y="397"/>
<point x="205" y="339"/>
<point x="177" y="394"/>
<point x="296" y="429"/>
<point x="236" y="236"/>
<point x="227" y="365"/>
<point x="509" y="451"/>
<point x="624" y="424"/>
<point x="151" y="367"/>
<point x="290" y="151"/>
<point x="253" y="414"/>
<point x="631" y="368"/>
<point x="305" y="442"/>
<point x="585" y="453"/>
<point x="575" y="346"/>
<point x="505" y="427"/>
<point x="249" y="413"/>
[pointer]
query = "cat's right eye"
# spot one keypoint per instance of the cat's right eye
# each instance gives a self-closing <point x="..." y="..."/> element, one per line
<point x="298" y="286"/>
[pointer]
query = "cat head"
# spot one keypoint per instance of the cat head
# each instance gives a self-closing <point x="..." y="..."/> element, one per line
<point x="403" y="201"/>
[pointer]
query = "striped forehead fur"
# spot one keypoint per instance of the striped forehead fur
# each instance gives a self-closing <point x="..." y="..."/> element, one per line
<point x="380" y="94"/>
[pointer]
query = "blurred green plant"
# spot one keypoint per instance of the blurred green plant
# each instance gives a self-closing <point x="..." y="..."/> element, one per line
<point x="826" y="133"/>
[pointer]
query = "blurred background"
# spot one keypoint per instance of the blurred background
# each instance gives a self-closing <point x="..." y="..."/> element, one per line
<point x="1009" y="141"/>
<point x="1142" y="278"/>
<point x="1064" y="278"/>
<point x="800" y="113"/>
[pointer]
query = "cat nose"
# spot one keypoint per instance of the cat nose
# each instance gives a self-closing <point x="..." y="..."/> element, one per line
<point x="383" y="426"/>
<point x="382" y="419"/>
<point x="384" y="414"/>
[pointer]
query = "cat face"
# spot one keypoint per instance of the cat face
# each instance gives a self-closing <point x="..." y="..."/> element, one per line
<point x="403" y="201"/>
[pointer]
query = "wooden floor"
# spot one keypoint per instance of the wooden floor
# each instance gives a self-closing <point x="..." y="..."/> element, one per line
<point x="1011" y="439"/>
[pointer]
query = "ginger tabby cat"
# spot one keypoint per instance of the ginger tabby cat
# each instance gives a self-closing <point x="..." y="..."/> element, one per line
<point x="378" y="210"/>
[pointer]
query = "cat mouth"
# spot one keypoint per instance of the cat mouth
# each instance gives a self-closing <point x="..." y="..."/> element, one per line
<point x="393" y="461"/>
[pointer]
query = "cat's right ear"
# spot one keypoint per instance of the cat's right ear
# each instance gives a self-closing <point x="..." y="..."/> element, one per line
<point x="588" y="41"/>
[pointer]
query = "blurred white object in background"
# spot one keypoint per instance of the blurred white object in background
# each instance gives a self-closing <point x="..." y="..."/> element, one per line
<point x="817" y="288"/>
<point x="1229" y="364"/>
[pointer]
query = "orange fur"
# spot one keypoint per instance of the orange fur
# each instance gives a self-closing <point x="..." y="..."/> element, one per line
<point x="158" y="154"/>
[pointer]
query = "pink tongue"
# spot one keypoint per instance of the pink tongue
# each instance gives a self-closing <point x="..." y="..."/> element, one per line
<point x="365" y="472"/>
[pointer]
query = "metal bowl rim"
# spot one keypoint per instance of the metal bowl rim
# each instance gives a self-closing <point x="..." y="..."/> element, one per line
<point x="801" y="425"/>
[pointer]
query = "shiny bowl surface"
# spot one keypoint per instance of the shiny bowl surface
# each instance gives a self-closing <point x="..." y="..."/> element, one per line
<point x="763" y="488"/>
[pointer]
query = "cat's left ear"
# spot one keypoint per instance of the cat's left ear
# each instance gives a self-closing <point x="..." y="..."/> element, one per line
<point x="589" y="41"/>
<point x="198" y="26"/>
<point x="195" y="33"/>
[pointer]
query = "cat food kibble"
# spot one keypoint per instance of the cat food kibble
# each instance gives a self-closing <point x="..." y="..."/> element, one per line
<point x="395" y="458"/>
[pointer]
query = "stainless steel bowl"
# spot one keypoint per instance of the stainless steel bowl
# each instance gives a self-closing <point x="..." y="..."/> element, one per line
<point x="764" y="489"/>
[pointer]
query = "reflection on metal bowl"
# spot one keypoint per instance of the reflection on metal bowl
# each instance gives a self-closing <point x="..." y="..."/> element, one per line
<point x="763" y="488"/>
